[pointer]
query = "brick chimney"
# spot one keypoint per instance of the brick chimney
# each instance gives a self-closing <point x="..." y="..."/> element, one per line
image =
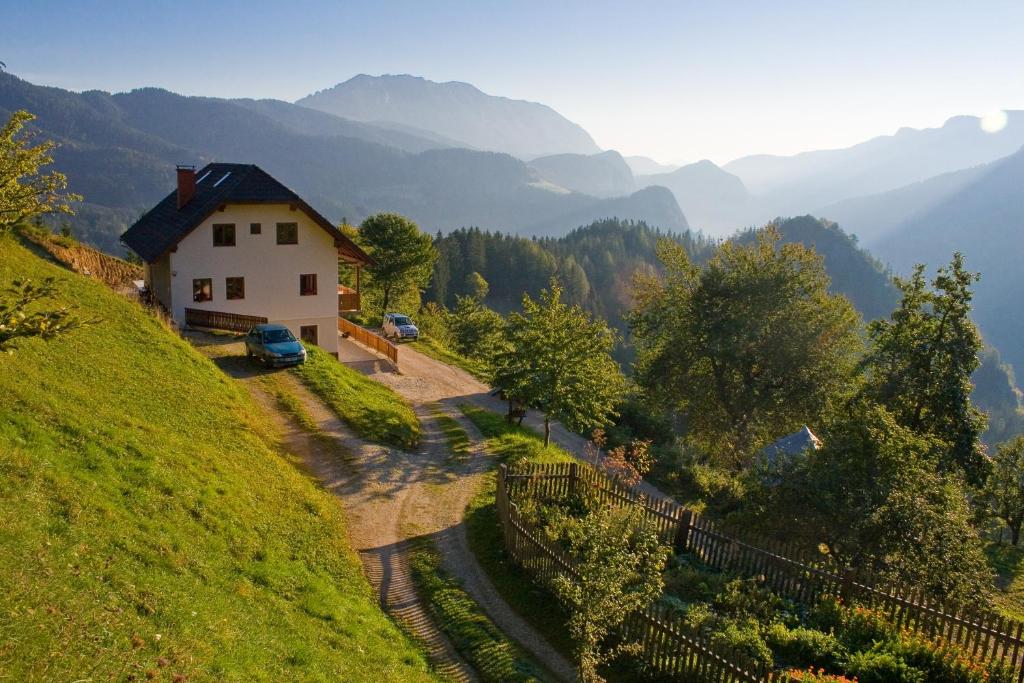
<point x="186" y="184"/>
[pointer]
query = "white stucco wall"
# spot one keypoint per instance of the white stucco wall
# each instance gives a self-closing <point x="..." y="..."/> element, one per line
<point x="271" y="270"/>
<point x="158" y="279"/>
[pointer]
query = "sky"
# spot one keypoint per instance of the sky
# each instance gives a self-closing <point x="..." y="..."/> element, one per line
<point x="675" y="81"/>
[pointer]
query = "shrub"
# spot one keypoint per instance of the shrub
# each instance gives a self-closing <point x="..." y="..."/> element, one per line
<point x="742" y="636"/>
<point x="719" y="488"/>
<point x="879" y="666"/>
<point x="801" y="647"/>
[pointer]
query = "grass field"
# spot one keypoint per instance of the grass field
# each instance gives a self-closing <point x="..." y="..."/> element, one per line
<point x="375" y="412"/>
<point x="150" y="528"/>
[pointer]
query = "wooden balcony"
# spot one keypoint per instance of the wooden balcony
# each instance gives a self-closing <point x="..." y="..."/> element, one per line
<point x="348" y="300"/>
<point x="218" y="320"/>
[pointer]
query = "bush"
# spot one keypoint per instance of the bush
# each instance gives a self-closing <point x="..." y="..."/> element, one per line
<point x="802" y="647"/>
<point x="879" y="666"/>
<point x="720" y="489"/>
<point x="742" y="636"/>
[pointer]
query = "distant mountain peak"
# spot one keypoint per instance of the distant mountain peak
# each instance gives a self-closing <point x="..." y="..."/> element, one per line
<point x="455" y="110"/>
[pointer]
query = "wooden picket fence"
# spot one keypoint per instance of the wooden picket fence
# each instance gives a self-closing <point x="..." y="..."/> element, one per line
<point x="369" y="339"/>
<point x="785" y="569"/>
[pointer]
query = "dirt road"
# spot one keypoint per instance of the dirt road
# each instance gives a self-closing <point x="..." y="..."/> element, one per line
<point x="391" y="496"/>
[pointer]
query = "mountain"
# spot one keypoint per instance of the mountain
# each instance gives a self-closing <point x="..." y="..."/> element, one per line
<point x="458" y="111"/>
<point x="795" y="184"/>
<point x="985" y="221"/>
<point x="854" y="272"/>
<point x="873" y="217"/>
<point x="603" y="175"/>
<point x="714" y="200"/>
<point x="119" y="152"/>
<point x="653" y="205"/>
<point x="647" y="166"/>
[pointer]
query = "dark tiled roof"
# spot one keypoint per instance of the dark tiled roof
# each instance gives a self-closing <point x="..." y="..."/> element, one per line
<point x="165" y="224"/>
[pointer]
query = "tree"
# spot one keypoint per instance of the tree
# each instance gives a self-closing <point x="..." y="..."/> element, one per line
<point x="477" y="331"/>
<point x="21" y="318"/>
<point x="748" y="348"/>
<point x="873" y="496"/>
<point x="920" y="363"/>
<point x="405" y="256"/>
<point x="477" y="286"/>
<point x="25" y="193"/>
<point x="558" y="360"/>
<point x="618" y="571"/>
<point x="1005" y="486"/>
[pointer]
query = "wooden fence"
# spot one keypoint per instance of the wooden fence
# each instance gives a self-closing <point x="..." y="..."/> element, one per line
<point x="369" y="339"/>
<point x="217" y="320"/>
<point x="986" y="636"/>
<point x="668" y="646"/>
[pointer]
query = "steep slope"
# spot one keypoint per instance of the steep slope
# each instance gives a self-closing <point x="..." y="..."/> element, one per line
<point x="875" y="216"/>
<point x="985" y="221"/>
<point x="119" y="152"/>
<point x="714" y="201"/>
<point x="797" y="183"/>
<point x="455" y="110"/>
<point x="151" y="528"/>
<point x="601" y="175"/>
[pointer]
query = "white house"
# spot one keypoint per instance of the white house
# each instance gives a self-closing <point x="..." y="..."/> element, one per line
<point x="232" y="247"/>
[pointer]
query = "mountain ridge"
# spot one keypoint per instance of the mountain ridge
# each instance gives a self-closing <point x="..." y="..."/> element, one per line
<point x="456" y="110"/>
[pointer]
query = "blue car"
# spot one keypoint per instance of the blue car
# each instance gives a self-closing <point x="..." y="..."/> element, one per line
<point x="275" y="345"/>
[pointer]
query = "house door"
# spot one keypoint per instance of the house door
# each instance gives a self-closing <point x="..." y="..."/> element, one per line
<point x="308" y="333"/>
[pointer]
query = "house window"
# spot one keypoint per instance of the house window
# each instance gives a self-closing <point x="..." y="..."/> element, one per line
<point x="307" y="284"/>
<point x="234" y="287"/>
<point x="202" y="289"/>
<point x="287" y="233"/>
<point x="255" y="228"/>
<point x="223" y="234"/>
<point x="308" y="333"/>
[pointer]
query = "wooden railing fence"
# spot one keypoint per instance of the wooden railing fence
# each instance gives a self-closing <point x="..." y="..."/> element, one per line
<point x="218" y="320"/>
<point x="369" y="339"/>
<point x="668" y="646"/>
<point x="782" y="567"/>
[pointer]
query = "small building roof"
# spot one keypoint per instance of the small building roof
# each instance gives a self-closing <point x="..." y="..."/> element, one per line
<point x="217" y="184"/>
<point x="790" y="445"/>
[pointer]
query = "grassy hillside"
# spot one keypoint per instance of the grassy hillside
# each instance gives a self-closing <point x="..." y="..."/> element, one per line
<point x="150" y="529"/>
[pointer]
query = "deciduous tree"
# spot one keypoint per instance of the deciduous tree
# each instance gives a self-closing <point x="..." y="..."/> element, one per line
<point x="921" y="360"/>
<point x="1005" y="486"/>
<point x="619" y="565"/>
<point x="404" y="255"/>
<point x="749" y="347"/>
<point x="25" y="192"/>
<point x="558" y="360"/>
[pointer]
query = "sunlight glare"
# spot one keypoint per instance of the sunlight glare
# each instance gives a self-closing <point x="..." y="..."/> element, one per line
<point x="993" y="122"/>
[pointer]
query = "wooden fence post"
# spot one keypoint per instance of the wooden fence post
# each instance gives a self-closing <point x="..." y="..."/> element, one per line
<point x="574" y="478"/>
<point x="683" y="532"/>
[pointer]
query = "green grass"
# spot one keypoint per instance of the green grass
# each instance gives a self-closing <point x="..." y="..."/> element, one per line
<point x="429" y="346"/>
<point x="150" y="527"/>
<point x="1008" y="564"/>
<point x="486" y="648"/>
<point x="512" y="444"/>
<point x="455" y="436"/>
<point x="372" y="410"/>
